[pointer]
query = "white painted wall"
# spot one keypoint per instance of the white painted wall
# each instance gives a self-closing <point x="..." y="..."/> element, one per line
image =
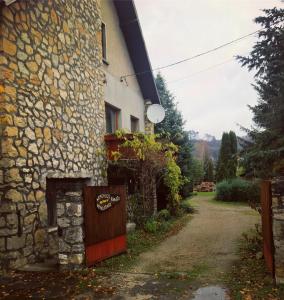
<point x="125" y="96"/>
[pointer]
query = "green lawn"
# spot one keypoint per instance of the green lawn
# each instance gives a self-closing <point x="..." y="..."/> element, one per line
<point x="206" y="194"/>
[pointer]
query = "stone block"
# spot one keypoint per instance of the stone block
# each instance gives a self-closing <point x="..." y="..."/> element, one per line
<point x="77" y="221"/>
<point x="74" y="235"/>
<point x="63" y="247"/>
<point x="13" y="254"/>
<point x="7" y="207"/>
<point x="74" y="209"/>
<point x="8" y="231"/>
<point x="53" y="245"/>
<point x="12" y="220"/>
<point x="130" y="227"/>
<point x="63" y="259"/>
<point x="63" y="222"/>
<point x="78" y="248"/>
<point x="14" y="195"/>
<point x="13" y="175"/>
<point x="40" y="237"/>
<point x="28" y="251"/>
<point x="2" y="244"/>
<point x="20" y="262"/>
<point x="2" y="222"/>
<point x="16" y="242"/>
<point x="76" y="259"/>
<point x="28" y="220"/>
<point x="60" y="209"/>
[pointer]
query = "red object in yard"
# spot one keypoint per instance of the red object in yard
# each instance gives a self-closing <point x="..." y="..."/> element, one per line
<point x="105" y="222"/>
<point x="114" y="144"/>
<point x="206" y="186"/>
<point x="106" y="249"/>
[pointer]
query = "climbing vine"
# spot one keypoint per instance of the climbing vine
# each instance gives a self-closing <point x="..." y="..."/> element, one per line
<point x="157" y="160"/>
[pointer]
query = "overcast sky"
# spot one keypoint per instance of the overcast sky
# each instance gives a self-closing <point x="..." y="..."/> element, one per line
<point x="215" y="100"/>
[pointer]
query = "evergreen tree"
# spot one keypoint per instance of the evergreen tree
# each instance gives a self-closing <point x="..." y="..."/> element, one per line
<point x="263" y="153"/>
<point x="233" y="161"/>
<point x="196" y="172"/>
<point x="171" y="128"/>
<point x="208" y="168"/>
<point x="227" y="160"/>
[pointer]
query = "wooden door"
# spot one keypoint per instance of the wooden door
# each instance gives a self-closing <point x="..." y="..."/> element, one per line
<point x="105" y="222"/>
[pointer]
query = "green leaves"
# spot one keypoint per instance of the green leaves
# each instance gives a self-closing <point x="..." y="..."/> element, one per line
<point x="227" y="161"/>
<point x="262" y="154"/>
<point x="172" y="129"/>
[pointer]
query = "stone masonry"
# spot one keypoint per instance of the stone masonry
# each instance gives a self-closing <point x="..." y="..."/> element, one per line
<point x="51" y="116"/>
<point x="278" y="227"/>
<point x="71" y="251"/>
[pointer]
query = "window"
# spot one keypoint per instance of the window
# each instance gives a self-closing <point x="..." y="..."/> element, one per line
<point x="104" y="42"/>
<point x="112" y="118"/>
<point x="134" y="124"/>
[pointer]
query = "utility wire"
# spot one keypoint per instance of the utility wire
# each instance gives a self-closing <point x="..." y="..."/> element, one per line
<point x="205" y="70"/>
<point x="191" y="57"/>
<point x="201" y="71"/>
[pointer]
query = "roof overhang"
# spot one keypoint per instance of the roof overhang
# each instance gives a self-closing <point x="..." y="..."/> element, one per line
<point x="131" y="29"/>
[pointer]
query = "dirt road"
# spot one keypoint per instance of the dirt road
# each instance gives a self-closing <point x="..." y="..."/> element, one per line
<point x="204" y="249"/>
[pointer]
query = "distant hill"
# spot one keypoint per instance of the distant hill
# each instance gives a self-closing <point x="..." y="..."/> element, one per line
<point x="211" y="145"/>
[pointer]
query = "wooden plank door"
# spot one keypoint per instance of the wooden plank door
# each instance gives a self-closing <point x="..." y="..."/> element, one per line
<point x="267" y="232"/>
<point x="105" y="230"/>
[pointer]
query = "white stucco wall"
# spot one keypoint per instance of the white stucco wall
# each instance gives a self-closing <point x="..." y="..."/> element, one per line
<point x="125" y="96"/>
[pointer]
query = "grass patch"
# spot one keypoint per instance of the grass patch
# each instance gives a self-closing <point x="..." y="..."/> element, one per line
<point x="193" y="274"/>
<point x="249" y="278"/>
<point x="206" y="194"/>
<point x="140" y="241"/>
<point x="228" y="204"/>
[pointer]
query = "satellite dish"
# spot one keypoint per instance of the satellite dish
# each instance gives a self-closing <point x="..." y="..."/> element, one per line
<point x="156" y="113"/>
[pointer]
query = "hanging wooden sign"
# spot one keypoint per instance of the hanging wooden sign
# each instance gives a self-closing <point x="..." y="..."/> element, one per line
<point x="106" y="201"/>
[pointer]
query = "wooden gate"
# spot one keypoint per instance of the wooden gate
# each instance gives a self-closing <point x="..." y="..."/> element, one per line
<point x="267" y="232"/>
<point x="105" y="222"/>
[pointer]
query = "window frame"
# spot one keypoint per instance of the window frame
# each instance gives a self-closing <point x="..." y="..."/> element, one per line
<point x="117" y="113"/>
<point x="137" y="124"/>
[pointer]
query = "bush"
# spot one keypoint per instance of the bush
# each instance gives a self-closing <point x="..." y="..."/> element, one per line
<point x="238" y="190"/>
<point x="151" y="225"/>
<point x="159" y="223"/>
<point x="164" y="215"/>
<point x="186" y="207"/>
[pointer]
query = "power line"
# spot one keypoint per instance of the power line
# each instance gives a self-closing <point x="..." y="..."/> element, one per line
<point x="201" y="71"/>
<point x="191" y="57"/>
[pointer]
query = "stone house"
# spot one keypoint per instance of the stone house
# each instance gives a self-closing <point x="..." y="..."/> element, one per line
<point x="62" y="87"/>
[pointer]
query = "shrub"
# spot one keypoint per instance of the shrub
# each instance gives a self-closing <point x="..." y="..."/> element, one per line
<point x="158" y="223"/>
<point x="186" y="207"/>
<point x="238" y="190"/>
<point x="151" y="225"/>
<point x="164" y="215"/>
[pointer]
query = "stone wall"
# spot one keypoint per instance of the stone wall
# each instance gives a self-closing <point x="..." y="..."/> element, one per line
<point x="71" y="251"/>
<point x="278" y="227"/>
<point x="51" y="114"/>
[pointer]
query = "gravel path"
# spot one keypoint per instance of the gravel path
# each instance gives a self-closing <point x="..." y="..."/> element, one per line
<point x="208" y="241"/>
<point x="205" y="248"/>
